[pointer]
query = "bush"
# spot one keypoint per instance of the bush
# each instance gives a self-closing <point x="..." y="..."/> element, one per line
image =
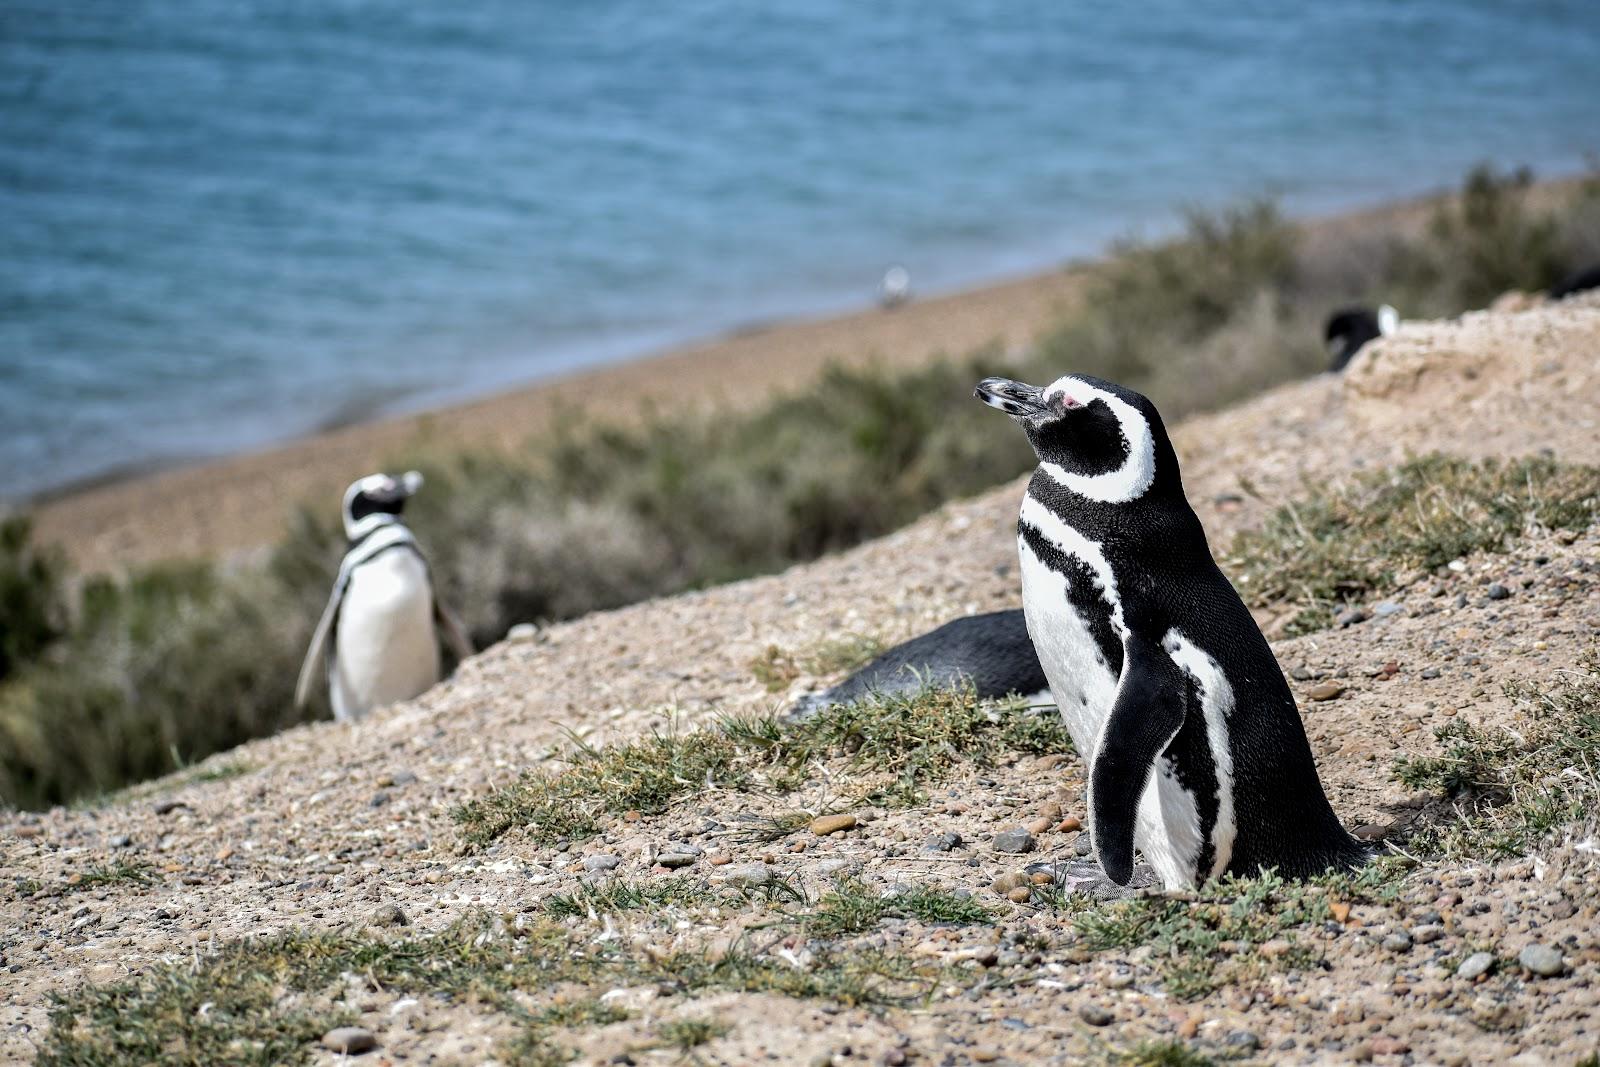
<point x="31" y="598"/>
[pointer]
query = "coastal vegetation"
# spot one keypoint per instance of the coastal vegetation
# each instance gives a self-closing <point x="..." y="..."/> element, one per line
<point x="108" y="680"/>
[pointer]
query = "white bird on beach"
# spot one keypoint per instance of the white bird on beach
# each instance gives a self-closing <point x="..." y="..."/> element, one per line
<point x="895" y="289"/>
<point x="379" y="631"/>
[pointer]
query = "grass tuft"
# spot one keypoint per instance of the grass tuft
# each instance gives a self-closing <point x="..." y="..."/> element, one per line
<point x="1514" y="789"/>
<point x="1355" y="538"/>
<point x="855" y="907"/>
<point x="893" y="745"/>
<point x="1207" y="943"/>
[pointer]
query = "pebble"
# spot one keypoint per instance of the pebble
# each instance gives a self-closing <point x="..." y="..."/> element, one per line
<point x="823" y="825"/>
<point x="1325" y="691"/>
<point x="748" y="874"/>
<point x="351" y="1040"/>
<point x="1040" y="826"/>
<point x="168" y="806"/>
<point x="1427" y="934"/>
<point x="674" y="860"/>
<point x="1497" y="592"/>
<point x="1020" y="895"/>
<point x="1083" y="846"/>
<point x="1070" y="823"/>
<point x="1015" y="840"/>
<point x="945" y="842"/>
<point x="1007" y="882"/>
<point x="1095" y="1015"/>
<point x="1397" y="942"/>
<point x="121" y="841"/>
<point x="1389" y="1046"/>
<point x="1386" y="608"/>
<point x="389" y="915"/>
<point x="1351" y="617"/>
<point x="1244" y="1040"/>
<point x="1542" y="960"/>
<point x="1474" y="965"/>
<point x="602" y="862"/>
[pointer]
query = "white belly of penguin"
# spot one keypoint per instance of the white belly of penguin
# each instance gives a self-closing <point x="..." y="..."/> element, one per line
<point x="1167" y="830"/>
<point x="385" y="649"/>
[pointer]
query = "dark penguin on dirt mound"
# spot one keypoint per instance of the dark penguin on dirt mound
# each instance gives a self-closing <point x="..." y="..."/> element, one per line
<point x="990" y="652"/>
<point x="1195" y="750"/>
<point x="1349" y="329"/>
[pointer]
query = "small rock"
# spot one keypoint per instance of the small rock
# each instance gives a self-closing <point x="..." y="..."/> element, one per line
<point x="1383" y="609"/>
<point x="602" y="862"/>
<point x="1340" y="911"/>
<point x="1083" y="846"/>
<point x="351" y="1040"/>
<point x="1497" y="592"/>
<point x="674" y="860"/>
<point x="1427" y="933"/>
<point x="1007" y="882"/>
<point x="1070" y="823"/>
<point x="721" y="859"/>
<point x="1324" y="691"/>
<point x="748" y="874"/>
<point x="1120" y="979"/>
<point x="893" y="1058"/>
<point x="1039" y="826"/>
<point x="1542" y="960"/>
<point x="522" y="631"/>
<point x="1015" y="840"/>
<point x="1302" y="674"/>
<point x="1397" y="942"/>
<point x="1388" y="1046"/>
<point x="823" y="825"/>
<point x="1244" y="1041"/>
<point x="1430" y="673"/>
<point x="121" y="841"/>
<point x="1095" y="1015"/>
<point x="945" y="842"/>
<point x="1351" y="617"/>
<point x="389" y="915"/>
<point x="379" y="799"/>
<point x="166" y="807"/>
<point x="1020" y="895"/>
<point x="1478" y="963"/>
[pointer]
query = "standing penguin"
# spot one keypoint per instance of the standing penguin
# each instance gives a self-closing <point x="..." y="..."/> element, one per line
<point x="1349" y="329"/>
<point x="378" y="631"/>
<point x="1196" y="752"/>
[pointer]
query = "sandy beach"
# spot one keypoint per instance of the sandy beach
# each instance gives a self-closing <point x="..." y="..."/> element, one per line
<point x="234" y="504"/>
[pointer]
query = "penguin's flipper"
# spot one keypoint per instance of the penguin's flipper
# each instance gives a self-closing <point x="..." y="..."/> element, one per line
<point x="455" y="634"/>
<point x="1145" y="717"/>
<point x="319" y="643"/>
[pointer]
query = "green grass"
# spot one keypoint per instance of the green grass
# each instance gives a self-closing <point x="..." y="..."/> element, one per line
<point x="854" y="907"/>
<point x="1513" y="789"/>
<point x="775" y="668"/>
<point x="1358" y="537"/>
<point x="1164" y="1054"/>
<point x="687" y="1034"/>
<point x="893" y="746"/>
<point x="1203" y="944"/>
<point x="104" y="682"/>
<point x="266" y="1000"/>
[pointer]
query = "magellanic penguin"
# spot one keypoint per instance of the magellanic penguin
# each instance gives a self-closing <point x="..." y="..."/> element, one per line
<point x="1349" y="329"/>
<point x="1196" y="752"/>
<point x="991" y="653"/>
<point x="377" y="633"/>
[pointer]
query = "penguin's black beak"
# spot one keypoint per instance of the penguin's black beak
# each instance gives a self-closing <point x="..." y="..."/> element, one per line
<point x="1017" y="399"/>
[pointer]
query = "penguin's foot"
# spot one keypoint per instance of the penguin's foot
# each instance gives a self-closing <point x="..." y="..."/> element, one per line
<point x="1085" y="876"/>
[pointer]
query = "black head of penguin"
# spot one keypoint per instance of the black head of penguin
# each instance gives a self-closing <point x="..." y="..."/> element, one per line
<point x="377" y="494"/>
<point x="1106" y="441"/>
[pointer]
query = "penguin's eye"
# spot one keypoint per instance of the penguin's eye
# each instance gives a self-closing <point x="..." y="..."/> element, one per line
<point x="1061" y="403"/>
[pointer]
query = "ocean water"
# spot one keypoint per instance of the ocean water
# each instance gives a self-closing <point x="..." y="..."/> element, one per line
<point x="227" y="222"/>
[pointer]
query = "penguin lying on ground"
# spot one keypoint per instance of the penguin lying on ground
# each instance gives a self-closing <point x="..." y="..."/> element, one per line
<point x="378" y="630"/>
<point x="990" y="652"/>
<point x="1196" y="752"/>
<point x="1350" y="328"/>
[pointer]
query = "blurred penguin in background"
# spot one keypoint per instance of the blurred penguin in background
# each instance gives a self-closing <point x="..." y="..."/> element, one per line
<point x="1351" y="328"/>
<point x="379" y="632"/>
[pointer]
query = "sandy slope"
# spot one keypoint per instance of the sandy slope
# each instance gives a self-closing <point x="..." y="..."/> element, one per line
<point x="330" y="821"/>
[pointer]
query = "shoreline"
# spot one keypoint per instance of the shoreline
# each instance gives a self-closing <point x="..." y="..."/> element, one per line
<point x="216" y="507"/>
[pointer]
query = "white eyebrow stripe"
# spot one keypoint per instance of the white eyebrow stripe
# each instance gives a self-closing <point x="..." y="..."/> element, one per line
<point x="1129" y="481"/>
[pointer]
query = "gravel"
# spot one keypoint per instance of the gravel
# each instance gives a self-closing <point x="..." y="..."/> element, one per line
<point x="1015" y="841"/>
<point x="1543" y="960"/>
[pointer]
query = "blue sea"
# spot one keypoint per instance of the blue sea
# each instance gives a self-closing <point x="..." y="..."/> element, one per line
<point x="224" y="223"/>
